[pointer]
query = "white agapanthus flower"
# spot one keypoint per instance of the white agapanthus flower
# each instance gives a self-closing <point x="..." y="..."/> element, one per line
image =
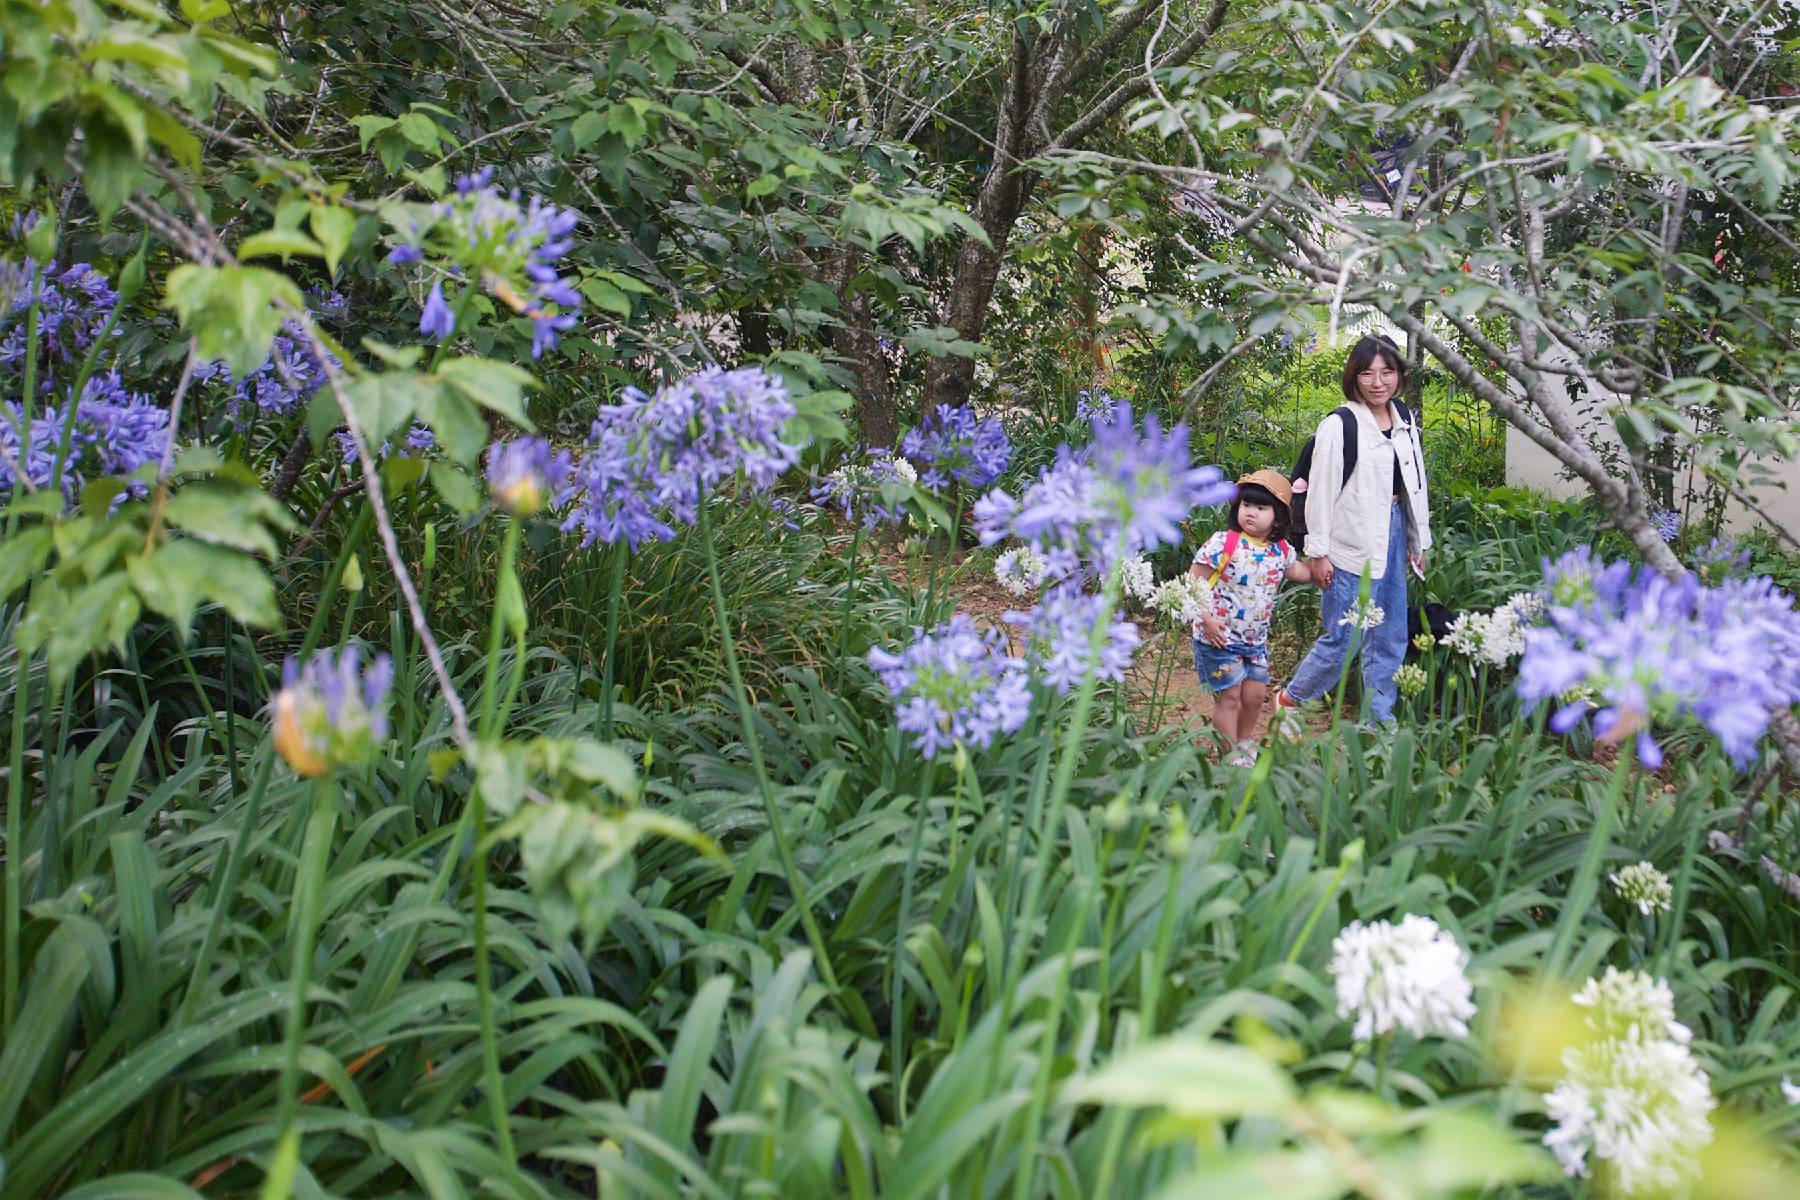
<point x="1183" y="599"/>
<point x="1790" y="1091"/>
<point x="1409" y="976"/>
<point x="1140" y="580"/>
<point x="1020" y="570"/>
<point x="1495" y="638"/>
<point x="1632" y="1096"/>
<point x="1364" y="617"/>
<point x="901" y="469"/>
<point x="1645" y="886"/>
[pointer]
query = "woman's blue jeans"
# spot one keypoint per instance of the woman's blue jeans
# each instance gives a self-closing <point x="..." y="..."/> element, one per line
<point x="1383" y="647"/>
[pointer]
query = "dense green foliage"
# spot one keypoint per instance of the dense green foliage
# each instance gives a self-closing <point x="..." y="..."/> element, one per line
<point x="644" y="891"/>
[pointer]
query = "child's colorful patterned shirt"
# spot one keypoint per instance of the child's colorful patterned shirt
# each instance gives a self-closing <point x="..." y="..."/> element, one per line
<point x="1244" y="595"/>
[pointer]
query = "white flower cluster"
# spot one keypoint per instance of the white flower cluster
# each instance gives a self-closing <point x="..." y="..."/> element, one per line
<point x="1496" y="637"/>
<point x="1020" y="570"/>
<point x="1645" y="886"/>
<point x="902" y="470"/>
<point x="1140" y="580"/>
<point x="1364" y="617"/>
<point x="1408" y="976"/>
<point x="1184" y="599"/>
<point x="1632" y="1095"/>
<point x="1410" y="679"/>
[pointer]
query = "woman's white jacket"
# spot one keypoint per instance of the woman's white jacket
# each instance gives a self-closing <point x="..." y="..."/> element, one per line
<point x="1350" y="527"/>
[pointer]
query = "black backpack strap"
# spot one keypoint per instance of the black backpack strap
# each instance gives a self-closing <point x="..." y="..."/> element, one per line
<point x="1350" y="442"/>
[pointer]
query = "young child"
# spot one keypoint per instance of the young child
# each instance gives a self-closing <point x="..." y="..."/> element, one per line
<point x="1245" y="564"/>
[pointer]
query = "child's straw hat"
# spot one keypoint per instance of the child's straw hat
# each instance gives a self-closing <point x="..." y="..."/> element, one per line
<point x="1274" y="481"/>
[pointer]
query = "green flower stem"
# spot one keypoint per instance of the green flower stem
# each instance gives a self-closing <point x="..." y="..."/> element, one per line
<point x="15" y="854"/>
<point x="303" y="931"/>
<point x="484" y="993"/>
<point x="1329" y="795"/>
<point x="751" y="743"/>
<point x="224" y="891"/>
<point x="844" y="609"/>
<point x="1040" y="868"/>
<point x="620" y="553"/>
<point x="897" y="1022"/>
<point x="1583" y="889"/>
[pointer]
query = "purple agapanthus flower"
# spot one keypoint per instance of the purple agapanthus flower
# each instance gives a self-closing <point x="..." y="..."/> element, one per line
<point x="955" y="683"/>
<point x="514" y="246"/>
<point x="331" y="713"/>
<point x="114" y="432"/>
<point x="280" y="385"/>
<point x="418" y="441"/>
<point x="436" y="321"/>
<point x="525" y="473"/>
<point x="1722" y="558"/>
<point x="652" y="457"/>
<point x="1666" y="522"/>
<point x="1124" y="495"/>
<point x="1094" y="406"/>
<point x="953" y="445"/>
<point x="1057" y="639"/>
<point x="871" y="491"/>
<point x="74" y="305"/>
<point x="1651" y="649"/>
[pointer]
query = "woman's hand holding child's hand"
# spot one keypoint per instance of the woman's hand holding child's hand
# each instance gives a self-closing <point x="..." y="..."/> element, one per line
<point x="1213" y="630"/>
<point x="1322" y="571"/>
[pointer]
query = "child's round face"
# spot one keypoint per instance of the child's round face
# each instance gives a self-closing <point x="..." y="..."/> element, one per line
<point x="1256" y="519"/>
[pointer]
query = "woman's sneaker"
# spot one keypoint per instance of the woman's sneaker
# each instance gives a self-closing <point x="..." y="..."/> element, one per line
<point x="1286" y="719"/>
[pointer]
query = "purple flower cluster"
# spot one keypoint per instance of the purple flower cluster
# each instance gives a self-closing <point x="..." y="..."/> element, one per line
<point x="418" y="441"/>
<point x="953" y="445"/>
<point x="955" y="684"/>
<point x="1666" y="522"/>
<point x="513" y="246"/>
<point x="1124" y="495"/>
<point x="73" y="308"/>
<point x="872" y="491"/>
<point x="525" y="473"/>
<point x="651" y="458"/>
<point x="1094" y="406"/>
<point x="111" y="432"/>
<point x="1057" y="633"/>
<point x="1654" y="649"/>
<point x="284" y="382"/>
<point x="1720" y="559"/>
<point x="331" y="713"/>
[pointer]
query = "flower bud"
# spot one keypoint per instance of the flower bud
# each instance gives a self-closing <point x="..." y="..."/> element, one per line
<point x="329" y="714"/>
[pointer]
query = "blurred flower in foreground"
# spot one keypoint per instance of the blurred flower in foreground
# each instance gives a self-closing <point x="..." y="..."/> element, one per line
<point x="1408" y="976"/>
<point x="955" y="684"/>
<point x="1644" y="886"/>
<point x="329" y="713"/>
<point x="525" y="473"/>
<point x="1364" y="616"/>
<point x="1632" y="1095"/>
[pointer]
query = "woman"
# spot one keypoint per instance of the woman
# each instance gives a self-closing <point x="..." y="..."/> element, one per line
<point x="1378" y="521"/>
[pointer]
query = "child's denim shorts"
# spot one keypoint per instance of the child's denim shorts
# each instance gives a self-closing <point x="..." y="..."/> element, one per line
<point x="1223" y="669"/>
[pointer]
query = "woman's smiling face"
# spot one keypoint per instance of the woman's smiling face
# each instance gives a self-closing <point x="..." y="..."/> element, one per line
<point x="1377" y="382"/>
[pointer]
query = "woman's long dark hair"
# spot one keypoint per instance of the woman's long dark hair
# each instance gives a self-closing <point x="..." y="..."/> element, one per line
<point x="1255" y="493"/>
<point x="1366" y="351"/>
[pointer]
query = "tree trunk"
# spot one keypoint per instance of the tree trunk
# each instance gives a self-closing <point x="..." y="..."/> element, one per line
<point x="877" y="424"/>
